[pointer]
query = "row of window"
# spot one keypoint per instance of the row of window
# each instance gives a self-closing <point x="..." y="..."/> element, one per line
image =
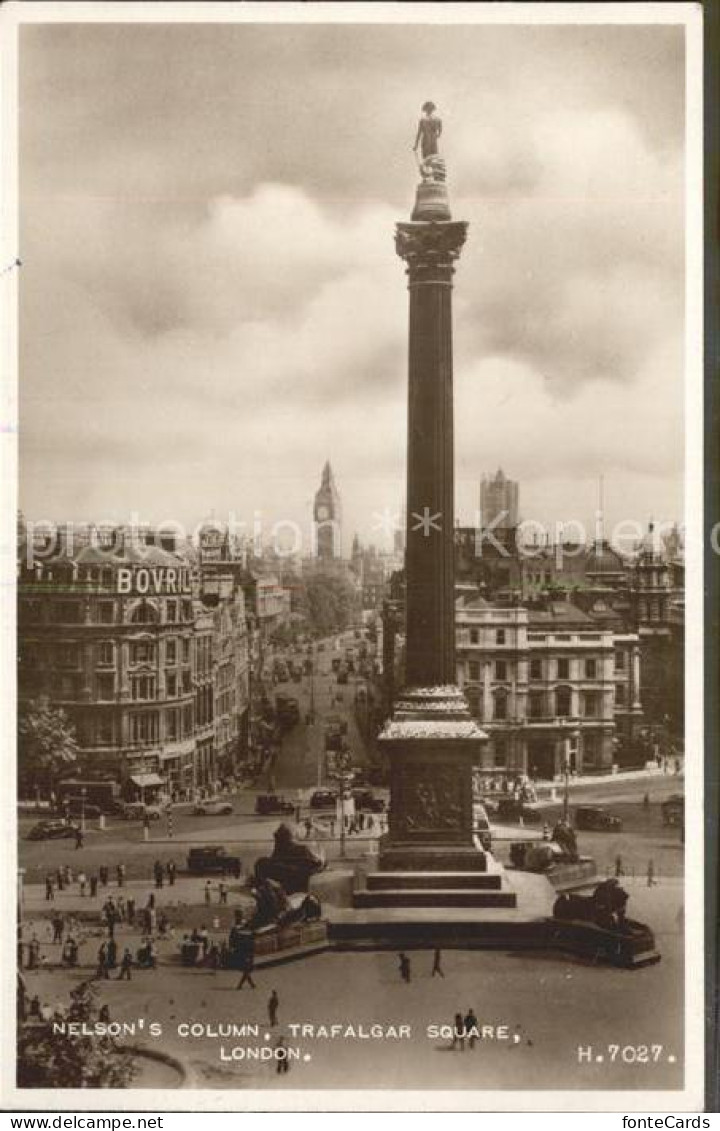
<point x="543" y="706"/>
<point x="500" y="636"/>
<point x="145" y="728"/>
<point x="104" y="612"/>
<point x="144" y="687"/>
<point x="562" y="669"/>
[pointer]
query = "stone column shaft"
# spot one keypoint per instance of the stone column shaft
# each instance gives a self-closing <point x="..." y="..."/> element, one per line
<point x="429" y="249"/>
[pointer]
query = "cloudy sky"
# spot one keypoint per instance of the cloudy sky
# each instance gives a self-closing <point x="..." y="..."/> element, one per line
<point x="211" y="305"/>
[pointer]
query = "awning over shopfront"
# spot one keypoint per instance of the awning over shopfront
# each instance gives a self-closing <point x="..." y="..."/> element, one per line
<point x="143" y="781"/>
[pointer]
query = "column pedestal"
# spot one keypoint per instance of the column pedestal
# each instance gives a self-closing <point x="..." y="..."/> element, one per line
<point x="432" y="743"/>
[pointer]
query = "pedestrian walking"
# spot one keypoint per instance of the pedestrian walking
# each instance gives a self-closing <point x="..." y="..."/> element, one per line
<point x="111" y="953"/>
<point x="82" y="882"/>
<point x="222" y="892"/>
<point x="651" y="874"/>
<point x="130" y="911"/>
<point x="404" y="966"/>
<point x="470" y="1025"/>
<point x="436" y="966"/>
<point x="619" y="870"/>
<point x="93" y="886"/>
<point x="171" y="872"/>
<point x="79" y="839"/>
<point x="121" y="909"/>
<point x="104" y="875"/>
<point x="120" y="873"/>
<point x="102" y="962"/>
<point x="208" y="891"/>
<point x="646" y="801"/>
<point x="58" y="926"/>
<point x="458" y="1032"/>
<point x="67" y="875"/>
<point x="151" y="900"/>
<point x="49" y="889"/>
<point x="158" y="872"/>
<point x="273" y="1002"/>
<point x="546" y="831"/>
<point x="126" y="966"/>
<point x="60" y="877"/>
<point x="247" y="969"/>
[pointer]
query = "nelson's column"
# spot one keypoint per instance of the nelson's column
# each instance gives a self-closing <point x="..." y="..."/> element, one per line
<point x="432" y="740"/>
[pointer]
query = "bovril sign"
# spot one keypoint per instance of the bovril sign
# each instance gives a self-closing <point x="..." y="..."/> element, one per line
<point x="153" y="579"/>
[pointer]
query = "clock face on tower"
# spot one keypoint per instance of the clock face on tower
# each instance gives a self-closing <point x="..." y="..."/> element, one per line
<point x="323" y="513"/>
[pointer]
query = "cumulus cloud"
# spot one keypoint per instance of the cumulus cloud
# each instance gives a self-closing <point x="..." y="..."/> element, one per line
<point x="212" y="306"/>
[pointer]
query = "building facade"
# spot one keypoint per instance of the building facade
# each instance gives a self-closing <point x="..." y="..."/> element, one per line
<point x="116" y="632"/>
<point x="546" y="684"/>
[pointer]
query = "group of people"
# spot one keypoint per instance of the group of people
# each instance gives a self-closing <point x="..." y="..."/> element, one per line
<point x="64" y="877"/>
<point x="107" y="959"/>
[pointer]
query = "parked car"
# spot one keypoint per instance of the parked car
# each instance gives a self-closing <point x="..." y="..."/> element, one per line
<point x="213" y="859"/>
<point x="481" y="825"/>
<point x="75" y="807"/>
<point x="52" y="830"/>
<point x="673" y="810"/>
<point x="511" y="809"/>
<point x="270" y="805"/>
<point x="323" y="799"/>
<point x="213" y="808"/>
<point x="366" y="799"/>
<point x="138" y="811"/>
<point x="594" y="818"/>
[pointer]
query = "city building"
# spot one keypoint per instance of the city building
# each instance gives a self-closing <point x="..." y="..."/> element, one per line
<point x="149" y="667"/>
<point x="542" y="681"/>
<point x="499" y="502"/>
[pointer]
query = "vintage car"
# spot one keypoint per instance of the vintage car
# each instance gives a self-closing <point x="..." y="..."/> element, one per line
<point x="213" y="808"/>
<point x="52" y="830"/>
<point x="594" y="818"/>
<point x="138" y="811"/>
<point x="213" y="859"/>
<point x="323" y="799"/>
<point x="76" y="807"/>
<point x="512" y="809"/>
<point x="673" y="810"/>
<point x="271" y="805"/>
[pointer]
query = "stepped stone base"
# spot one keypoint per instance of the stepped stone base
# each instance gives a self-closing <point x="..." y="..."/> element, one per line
<point x="400" y="857"/>
<point x="388" y="881"/>
<point x="438" y="897"/>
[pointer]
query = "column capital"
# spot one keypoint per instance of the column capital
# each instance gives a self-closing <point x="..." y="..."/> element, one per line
<point x="429" y="246"/>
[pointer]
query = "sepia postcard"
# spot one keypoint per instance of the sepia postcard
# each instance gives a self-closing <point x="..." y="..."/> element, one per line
<point x="352" y="610"/>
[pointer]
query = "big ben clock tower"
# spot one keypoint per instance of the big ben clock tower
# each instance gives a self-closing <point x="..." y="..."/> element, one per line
<point x="327" y="513"/>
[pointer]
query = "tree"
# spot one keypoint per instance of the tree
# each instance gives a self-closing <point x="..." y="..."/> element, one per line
<point x="331" y="602"/>
<point x="46" y="744"/>
<point x="53" y="1060"/>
